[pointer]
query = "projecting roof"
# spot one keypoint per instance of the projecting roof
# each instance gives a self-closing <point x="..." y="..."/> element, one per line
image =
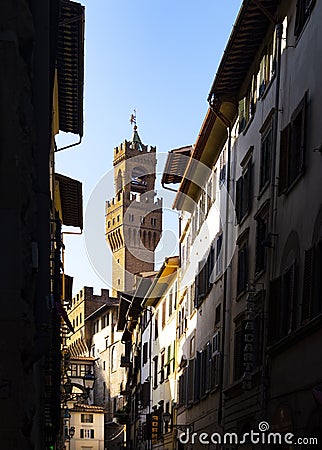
<point x="175" y="165"/>
<point x="70" y="66"/>
<point x="162" y="281"/>
<point x="252" y="23"/>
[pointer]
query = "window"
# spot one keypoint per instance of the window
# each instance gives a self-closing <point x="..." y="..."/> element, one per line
<point x="131" y="217"/>
<point x="215" y="361"/>
<point x="153" y="221"/>
<point x="106" y="342"/>
<point x="170" y="302"/>
<point x="283" y="305"/>
<point x="113" y="359"/>
<point x="96" y="326"/>
<point x="104" y="365"/>
<point x="80" y="318"/>
<point x="203" y="280"/>
<point x="222" y="165"/>
<point x="312" y="283"/>
<point x="155" y="372"/>
<point x="142" y="220"/>
<point x="192" y="346"/>
<point x="197" y="377"/>
<point x="105" y="320"/>
<point x="218" y="314"/>
<point x="87" y="418"/>
<point x="244" y="193"/>
<point x="76" y="321"/>
<point x="265" y="161"/>
<point x="86" y="433"/>
<point x="303" y="11"/>
<point x="190" y="381"/>
<point x="156" y="326"/>
<point x="162" y="363"/>
<point x="164" y="308"/>
<point x="261" y="242"/>
<point x="242" y="271"/>
<point x="292" y="148"/>
<point x="219" y="254"/>
<point x="145" y="352"/>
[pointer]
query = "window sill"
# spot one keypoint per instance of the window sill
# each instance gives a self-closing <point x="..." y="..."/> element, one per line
<point x="241" y="294"/>
<point x="262" y="190"/>
<point x="248" y="124"/>
<point x="294" y="183"/>
<point x="295" y="336"/>
<point x="267" y="88"/>
<point x="259" y="274"/>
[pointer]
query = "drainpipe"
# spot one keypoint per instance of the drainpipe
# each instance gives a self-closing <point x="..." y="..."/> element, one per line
<point x="272" y="221"/>
<point x="227" y="268"/>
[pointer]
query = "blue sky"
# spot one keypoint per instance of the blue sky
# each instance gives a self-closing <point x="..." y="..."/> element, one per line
<point x="157" y="57"/>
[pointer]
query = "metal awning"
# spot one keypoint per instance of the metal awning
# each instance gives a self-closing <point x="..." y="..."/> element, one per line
<point x="176" y="164"/>
<point x="251" y="26"/>
<point x="70" y="66"/>
<point x="71" y="200"/>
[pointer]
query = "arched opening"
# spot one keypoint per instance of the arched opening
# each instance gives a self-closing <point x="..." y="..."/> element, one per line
<point x="138" y="180"/>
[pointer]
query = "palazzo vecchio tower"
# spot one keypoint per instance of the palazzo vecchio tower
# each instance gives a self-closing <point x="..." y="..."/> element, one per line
<point x="133" y="221"/>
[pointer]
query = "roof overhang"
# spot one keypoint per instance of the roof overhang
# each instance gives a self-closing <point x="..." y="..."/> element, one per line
<point x="254" y="19"/>
<point x="162" y="281"/>
<point x="211" y="139"/>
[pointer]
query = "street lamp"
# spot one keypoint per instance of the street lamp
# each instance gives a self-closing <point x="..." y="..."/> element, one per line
<point x="89" y="380"/>
<point x="166" y="417"/>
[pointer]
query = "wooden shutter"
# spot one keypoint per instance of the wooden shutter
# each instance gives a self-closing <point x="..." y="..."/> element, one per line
<point x="303" y="133"/>
<point x="284" y="160"/>
<point x="274" y="310"/>
<point x="239" y="198"/>
<point x="307" y="285"/>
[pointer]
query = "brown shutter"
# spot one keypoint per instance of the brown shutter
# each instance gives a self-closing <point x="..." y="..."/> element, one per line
<point x="284" y="156"/>
<point x="274" y="310"/>
<point x="307" y="285"/>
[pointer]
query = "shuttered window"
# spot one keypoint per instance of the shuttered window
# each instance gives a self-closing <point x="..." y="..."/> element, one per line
<point x="190" y="381"/>
<point x="244" y="193"/>
<point x="292" y="148"/>
<point x="197" y="377"/>
<point x="303" y="11"/>
<point x="242" y="271"/>
<point x="261" y="235"/>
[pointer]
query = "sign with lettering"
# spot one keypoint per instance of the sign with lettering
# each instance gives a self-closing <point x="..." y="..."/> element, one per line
<point x="249" y="342"/>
